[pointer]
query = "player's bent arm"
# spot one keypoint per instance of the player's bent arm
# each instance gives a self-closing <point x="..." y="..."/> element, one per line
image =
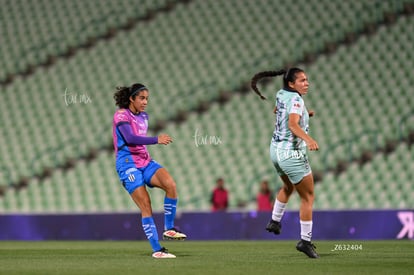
<point x="132" y="139"/>
<point x="294" y="127"/>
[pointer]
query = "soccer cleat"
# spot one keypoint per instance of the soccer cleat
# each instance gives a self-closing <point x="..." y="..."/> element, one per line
<point x="173" y="234"/>
<point x="163" y="254"/>
<point x="308" y="248"/>
<point x="274" y="226"/>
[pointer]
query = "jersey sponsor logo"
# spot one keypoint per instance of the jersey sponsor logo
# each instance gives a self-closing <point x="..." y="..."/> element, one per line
<point x="121" y="117"/>
<point x="130" y="170"/>
<point x="296" y="102"/>
<point x="290" y="154"/>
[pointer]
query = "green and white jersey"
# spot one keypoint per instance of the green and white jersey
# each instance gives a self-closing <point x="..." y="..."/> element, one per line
<point x="289" y="102"/>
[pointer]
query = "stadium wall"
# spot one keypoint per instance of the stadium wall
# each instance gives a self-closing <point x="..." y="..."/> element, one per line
<point x="328" y="225"/>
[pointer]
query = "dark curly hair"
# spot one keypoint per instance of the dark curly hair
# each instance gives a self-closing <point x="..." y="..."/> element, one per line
<point x="123" y="94"/>
<point x="288" y="76"/>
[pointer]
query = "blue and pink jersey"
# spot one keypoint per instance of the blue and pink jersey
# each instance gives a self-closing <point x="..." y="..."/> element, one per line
<point x="130" y="140"/>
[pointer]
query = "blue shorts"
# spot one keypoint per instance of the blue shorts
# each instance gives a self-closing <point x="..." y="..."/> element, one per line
<point x="290" y="162"/>
<point x="132" y="177"/>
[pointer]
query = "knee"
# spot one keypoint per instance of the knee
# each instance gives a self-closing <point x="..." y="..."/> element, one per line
<point x="170" y="186"/>
<point x="308" y="197"/>
<point x="170" y="183"/>
<point x="287" y="189"/>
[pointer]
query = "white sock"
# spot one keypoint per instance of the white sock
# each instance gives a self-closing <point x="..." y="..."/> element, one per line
<point x="278" y="210"/>
<point x="306" y="230"/>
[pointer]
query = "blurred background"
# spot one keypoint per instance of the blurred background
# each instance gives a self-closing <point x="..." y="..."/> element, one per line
<point x="61" y="61"/>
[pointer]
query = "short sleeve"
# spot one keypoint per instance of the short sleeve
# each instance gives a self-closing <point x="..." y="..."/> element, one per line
<point x="296" y="105"/>
<point x="121" y="117"/>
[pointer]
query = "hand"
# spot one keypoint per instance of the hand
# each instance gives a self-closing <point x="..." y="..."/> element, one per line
<point x="311" y="113"/>
<point x="164" y="139"/>
<point x="312" y="144"/>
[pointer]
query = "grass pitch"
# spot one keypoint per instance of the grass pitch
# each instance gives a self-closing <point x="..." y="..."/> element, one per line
<point x="206" y="257"/>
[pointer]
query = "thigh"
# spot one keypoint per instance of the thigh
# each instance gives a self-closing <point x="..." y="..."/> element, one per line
<point x="286" y="181"/>
<point x="295" y="166"/>
<point x="274" y="157"/>
<point x="288" y="186"/>
<point x="162" y="179"/>
<point x="142" y="199"/>
<point x="306" y="186"/>
<point x="149" y="172"/>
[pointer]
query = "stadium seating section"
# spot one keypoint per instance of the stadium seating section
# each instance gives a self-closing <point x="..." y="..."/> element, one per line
<point x="67" y="57"/>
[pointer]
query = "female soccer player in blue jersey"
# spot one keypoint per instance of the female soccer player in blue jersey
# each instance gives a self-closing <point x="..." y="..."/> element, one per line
<point x="135" y="167"/>
<point x="288" y="152"/>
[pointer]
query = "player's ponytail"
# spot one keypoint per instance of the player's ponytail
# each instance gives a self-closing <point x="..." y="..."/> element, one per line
<point x="258" y="76"/>
<point x="288" y="76"/>
<point x="121" y="97"/>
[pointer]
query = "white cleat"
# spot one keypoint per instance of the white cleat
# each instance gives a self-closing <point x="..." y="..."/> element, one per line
<point x="173" y="234"/>
<point x="163" y="254"/>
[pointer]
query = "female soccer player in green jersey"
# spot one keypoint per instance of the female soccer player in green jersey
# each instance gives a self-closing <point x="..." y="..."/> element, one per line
<point x="288" y="152"/>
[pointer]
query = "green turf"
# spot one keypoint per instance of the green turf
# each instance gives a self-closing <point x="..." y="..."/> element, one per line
<point x="212" y="257"/>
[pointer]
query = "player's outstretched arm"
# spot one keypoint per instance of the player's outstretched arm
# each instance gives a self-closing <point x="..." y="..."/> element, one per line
<point x="132" y="139"/>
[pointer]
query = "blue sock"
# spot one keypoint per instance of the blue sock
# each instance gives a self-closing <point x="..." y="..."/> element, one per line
<point x="151" y="232"/>
<point x="170" y="206"/>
